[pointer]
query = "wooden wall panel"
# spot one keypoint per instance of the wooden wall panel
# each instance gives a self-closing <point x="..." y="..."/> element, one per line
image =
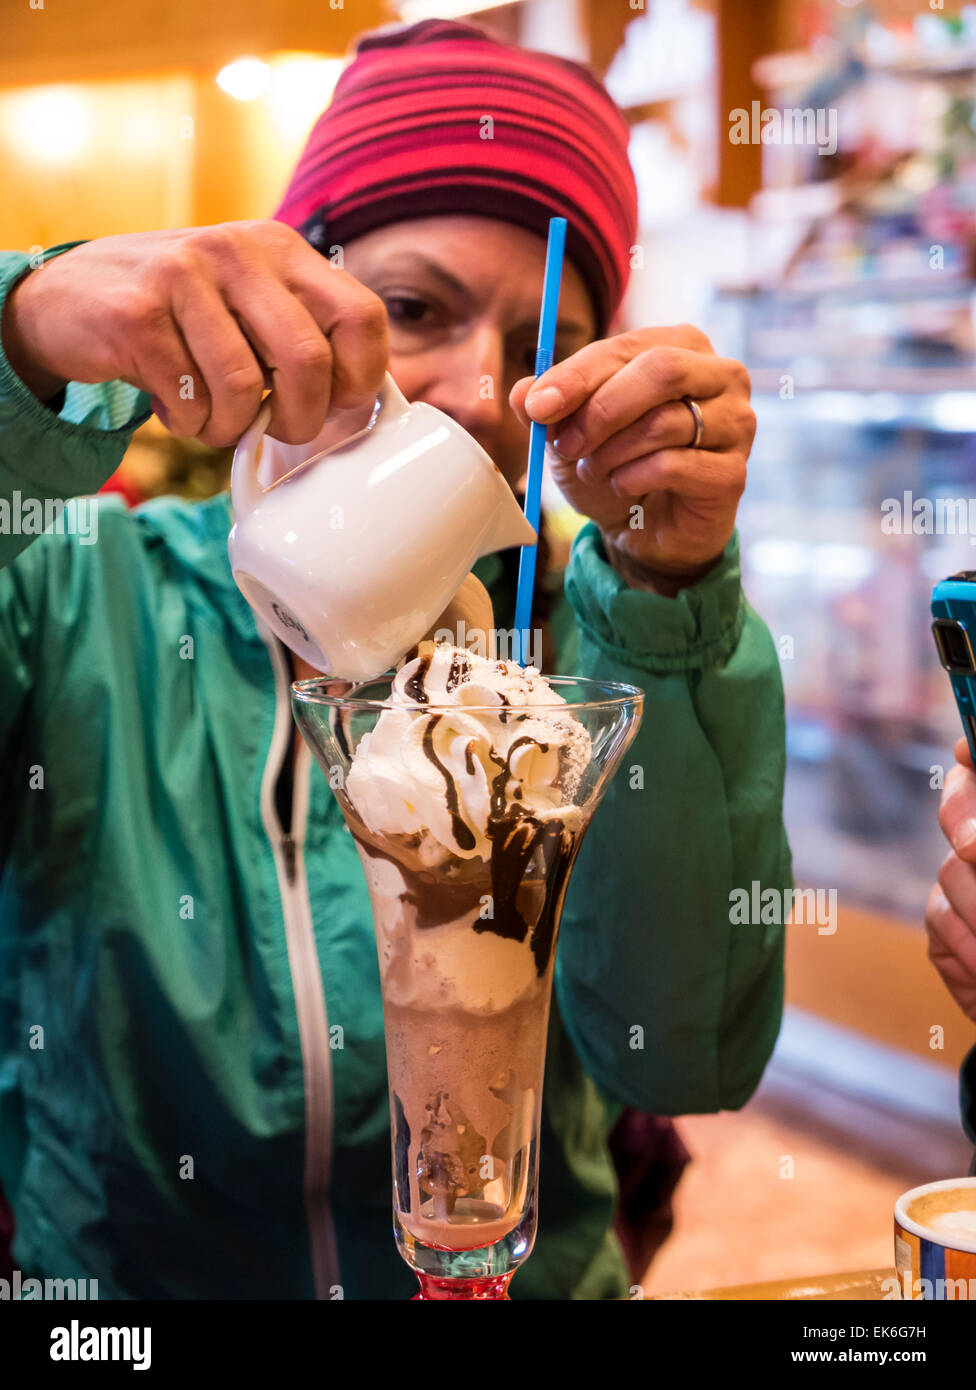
<point x="129" y="172"/>
<point x="91" y="159"/>
<point x="66" y="40"/>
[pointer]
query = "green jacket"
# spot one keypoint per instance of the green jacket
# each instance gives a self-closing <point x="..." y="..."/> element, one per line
<point x="192" y="1076"/>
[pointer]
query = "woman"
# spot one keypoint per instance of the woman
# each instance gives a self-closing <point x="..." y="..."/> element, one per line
<point x="184" y="919"/>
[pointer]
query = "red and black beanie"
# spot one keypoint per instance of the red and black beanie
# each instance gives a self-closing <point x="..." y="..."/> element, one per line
<point x="439" y="117"/>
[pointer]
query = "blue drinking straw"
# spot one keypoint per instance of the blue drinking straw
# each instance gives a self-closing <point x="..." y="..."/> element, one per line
<point x="545" y="347"/>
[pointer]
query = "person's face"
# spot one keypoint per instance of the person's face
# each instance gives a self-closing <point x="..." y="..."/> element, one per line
<point x="462" y="295"/>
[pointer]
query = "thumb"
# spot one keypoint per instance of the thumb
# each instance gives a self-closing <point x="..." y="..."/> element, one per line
<point x="516" y="398"/>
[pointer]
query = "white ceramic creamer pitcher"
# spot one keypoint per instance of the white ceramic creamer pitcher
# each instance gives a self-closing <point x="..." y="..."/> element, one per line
<point x="353" y="553"/>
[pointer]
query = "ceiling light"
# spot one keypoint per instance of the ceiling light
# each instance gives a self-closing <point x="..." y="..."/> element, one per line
<point x="244" y="78"/>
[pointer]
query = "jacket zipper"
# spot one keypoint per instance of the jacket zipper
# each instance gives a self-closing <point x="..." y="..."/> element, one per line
<point x="306" y="975"/>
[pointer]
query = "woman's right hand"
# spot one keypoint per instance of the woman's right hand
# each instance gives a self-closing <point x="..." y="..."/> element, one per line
<point x="950" y="917"/>
<point x="204" y="319"/>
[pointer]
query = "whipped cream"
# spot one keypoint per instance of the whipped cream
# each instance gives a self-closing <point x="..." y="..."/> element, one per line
<point x="495" y="746"/>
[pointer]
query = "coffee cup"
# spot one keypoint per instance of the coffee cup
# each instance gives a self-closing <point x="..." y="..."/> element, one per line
<point x="935" y="1240"/>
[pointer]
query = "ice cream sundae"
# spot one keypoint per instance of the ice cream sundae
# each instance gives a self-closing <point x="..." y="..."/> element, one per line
<point x="462" y="800"/>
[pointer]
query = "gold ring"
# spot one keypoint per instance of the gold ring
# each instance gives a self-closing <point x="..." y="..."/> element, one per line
<point x="699" y="420"/>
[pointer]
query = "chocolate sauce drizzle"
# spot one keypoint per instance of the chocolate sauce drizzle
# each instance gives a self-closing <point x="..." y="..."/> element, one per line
<point x="516" y="835"/>
<point x="338" y="730"/>
<point x="499" y="783"/>
<point x="515" y="840"/>
<point x="462" y="832"/>
<point x="414" y="688"/>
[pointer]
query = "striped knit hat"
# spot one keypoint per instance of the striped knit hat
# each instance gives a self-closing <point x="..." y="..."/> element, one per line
<point x="407" y="135"/>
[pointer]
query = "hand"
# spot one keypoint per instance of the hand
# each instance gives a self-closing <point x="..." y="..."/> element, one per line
<point x="204" y="319"/>
<point x="619" y="410"/>
<point x="950" y="917"/>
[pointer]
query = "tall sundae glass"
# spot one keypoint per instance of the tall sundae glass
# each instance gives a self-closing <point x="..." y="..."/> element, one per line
<point x="468" y="785"/>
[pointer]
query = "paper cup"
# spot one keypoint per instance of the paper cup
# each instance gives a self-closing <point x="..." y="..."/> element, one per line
<point x="932" y="1264"/>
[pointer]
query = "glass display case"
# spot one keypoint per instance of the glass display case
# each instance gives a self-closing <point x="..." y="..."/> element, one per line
<point x="861" y="496"/>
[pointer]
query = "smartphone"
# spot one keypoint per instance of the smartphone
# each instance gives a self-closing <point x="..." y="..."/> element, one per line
<point x="954" y="630"/>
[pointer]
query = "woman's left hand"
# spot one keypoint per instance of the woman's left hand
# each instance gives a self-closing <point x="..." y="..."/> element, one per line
<point x="622" y="432"/>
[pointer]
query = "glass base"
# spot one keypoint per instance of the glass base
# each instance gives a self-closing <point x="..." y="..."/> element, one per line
<point x="483" y="1272"/>
<point x="471" y="1289"/>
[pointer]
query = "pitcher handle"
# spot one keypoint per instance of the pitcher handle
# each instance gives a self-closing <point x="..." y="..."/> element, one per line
<point x="390" y="396"/>
<point x="245" y="489"/>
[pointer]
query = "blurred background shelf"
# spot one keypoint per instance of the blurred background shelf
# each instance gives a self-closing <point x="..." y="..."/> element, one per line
<point x="865" y="394"/>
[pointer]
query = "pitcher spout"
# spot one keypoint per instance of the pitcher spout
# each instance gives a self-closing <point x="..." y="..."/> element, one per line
<point x="508" y="526"/>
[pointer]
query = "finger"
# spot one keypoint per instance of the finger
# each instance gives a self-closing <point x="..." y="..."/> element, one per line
<point x="957" y="812"/>
<point x="516" y="398"/>
<point x="166" y="368"/>
<point x="625" y="347"/>
<point x="950" y="934"/>
<point x="361" y="353"/>
<point x="671" y="426"/>
<point x="293" y="348"/>
<point x="962" y="752"/>
<point x="350" y="318"/>
<point x="613" y="383"/>
<point x="355" y="323"/>
<point x="654" y="378"/>
<point x="231" y="379"/>
<point x="957" y="879"/>
<point x="694" y="473"/>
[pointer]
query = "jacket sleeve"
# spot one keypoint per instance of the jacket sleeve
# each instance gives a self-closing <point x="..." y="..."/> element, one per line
<point x="48" y="456"/>
<point x="672" y="1006"/>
